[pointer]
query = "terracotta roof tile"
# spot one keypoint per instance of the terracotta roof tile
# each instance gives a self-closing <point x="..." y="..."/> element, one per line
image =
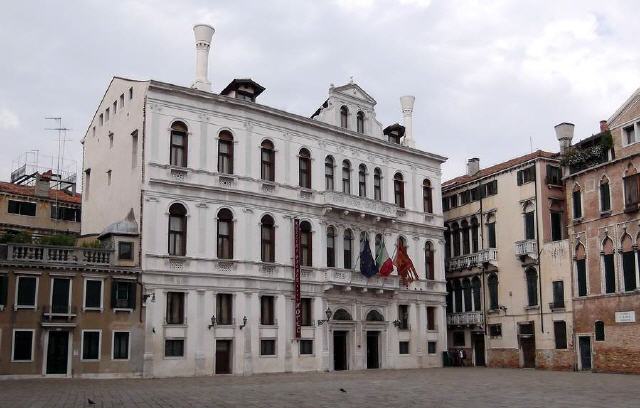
<point x="498" y="168"/>
<point x="29" y="191"/>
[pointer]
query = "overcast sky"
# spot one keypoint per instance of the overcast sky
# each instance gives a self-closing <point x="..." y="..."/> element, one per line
<point x="488" y="76"/>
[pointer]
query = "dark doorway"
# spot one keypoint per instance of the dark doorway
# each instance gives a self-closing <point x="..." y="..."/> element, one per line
<point x="60" y="296"/>
<point x="528" y="344"/>
<point x="57" y="352"/>
<point x="340" y="350"/>
<point x="585" y="352"/>
<point x="223" y="356"/>
<point x="478" y="349"/>
<point x="373" y="352"/>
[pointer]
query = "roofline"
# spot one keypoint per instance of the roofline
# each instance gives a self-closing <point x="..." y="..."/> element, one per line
<point x="622" y="107"/>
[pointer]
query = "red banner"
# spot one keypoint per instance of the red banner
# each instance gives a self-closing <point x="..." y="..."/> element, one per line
<point x="296" y="276"/>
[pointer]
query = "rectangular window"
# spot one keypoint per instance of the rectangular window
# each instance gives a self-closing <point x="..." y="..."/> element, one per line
<point x="267" y="312"/>
<point x="121" y="101"/>
<point x="560" y="331"/>
<point x="22" y="345"/>
<point x="110" y="139"/>
<point x="115" y="107"/>
<point x="475" y="193"/>
<point x="495" y="330"/>
<point x="134" y="149"/>
<point x="175" y="307"/>
<point x="174" y="348"/>
<point x="306" y="312"/>
<point x="465" y="197"/>
<point x="529" y="225"/>
<point x="120" y="345"/>
<point x="93" y="294"/>
<point x="554" y="175"/>
<point x="101" y="119"/>
<point x="108" y="177"/>
<point x="581" y="270"/>
<point x="267" y="347"/>
<point x="224" y="309"/>
<point x="403" y="317"/>
<point x="629" y="271"/>
<point x="26" y="292"/>
<point x="629" y="134"/>
<point x="491" y="232"/>
<point x="431" y="318"/>
<point x="431" y="347"/>
<point x="577" y="204"/>
<point x="526" y="175"/>
<point x="4" y="288"/>
<point x="605" y="198"/>
<point x="558" y="294"/>
<point x="445" y="204"/>
<point x="458" y="339"/>
<point x="131" y="93"/>
<point x="556" y="226"/>
<point x="125" y="251"/>
<point x="123" y="294"/>
<point x="306" y="347"/>
<point x="22" y="208"/>
<point x="454" y="201"/>
<point x="491" y="188"/>
<point x="106" y="115"/>
<point x="403" y="347"/>
<point x="87" y="184"/>
<point x="90" y="345"/>
<point x="65" y="213"/>
<point x="609" y="274"/>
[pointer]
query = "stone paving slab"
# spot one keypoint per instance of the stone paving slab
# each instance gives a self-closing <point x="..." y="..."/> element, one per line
<point x="447" y="387"/>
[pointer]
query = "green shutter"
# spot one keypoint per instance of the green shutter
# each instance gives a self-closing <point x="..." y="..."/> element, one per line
<point x="4" y="283"/>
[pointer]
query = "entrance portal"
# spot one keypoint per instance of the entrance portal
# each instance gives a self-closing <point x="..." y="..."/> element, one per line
<point x="223" y="356"/>
<point x="373" y="352"/>
<point x="585" y="352"/>
<point x="340" y="351"/>
<point x="478" y="349"/>
<point x="57" y="352"/>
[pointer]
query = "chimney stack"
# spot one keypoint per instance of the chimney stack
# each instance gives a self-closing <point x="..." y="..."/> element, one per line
<point x="43" y="184"/>
<point x="604" y="126"/>
<point x="407" y="113"/>
<point x="203" y="34"/>
<point x="473" y="166"/>
<point x="564" y="134"/>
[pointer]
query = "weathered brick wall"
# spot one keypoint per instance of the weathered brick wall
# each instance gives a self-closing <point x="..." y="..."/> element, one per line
<point x="555" y="359"/>
<point x="504" y="358"/>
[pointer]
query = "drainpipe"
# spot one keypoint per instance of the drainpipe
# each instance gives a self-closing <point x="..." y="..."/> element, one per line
<point x="538" y="207"/>
<point x="484" y="281"/>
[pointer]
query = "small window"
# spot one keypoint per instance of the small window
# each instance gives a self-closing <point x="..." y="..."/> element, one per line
<point x="90" y="345"/>
<point x="465" y="197"/>
<point x="404" y="347"/>
<point x="554" y="175"/>
<point x="328" y="173"/>
<point x="106" y="115"/>
<point x="558" y="294"/>
<point x="225" y="234"/>
<point x="377" y="184"/>
<point x="560" y="332"/>
<point x="178" y="145"/>
<point x="403" y="317"/>
<point x="605" y="196"/>
<point x="599" y="330"/>
<point x="267" y="311"/>
<point x="125" y="251"/>
<point x="398" y="190"/>
<point x="93" y="294"/>
<point x="267" y="239"/>
<point x="123" y="294"/>
<point x="4" y="289"/>
<point x="225" y="152"/>
<point x="529" y="225"/>
<point x="431" y="318"/>
<point x="362" y="180"/>
<point x="629" y="134"/>
<point x="175" y="308"/>
<point x="267" y="161"/>
<point x="491" y="188"/>
<point x="347" y="247"/>
<point x="331" y="247"/>
<point x="130" y="93"/>
<point x="115" y="108"/>
<point x="267" y="347"/>
<point x="101" y="121"/>
<point x="453" y="201"/>
<point x="22" y="345"/>
<point x="108" y="177"/>
<point x="121" y="101"/>
<point x="532" y="286"/>
<point x="556" y="226"/>
<point x="458" y="339"/>
<point x="120" y="345"/>
<point x="177" y="230"/>
<point x="307" y="312"/>
<point x="431" y="347"/>
<point x="224" y="309"/>
<point x="306" y="347"/>
<point x="344" y="117"/>
<point x="304" y="168"/>
<point x="360" y="122"/>
<point x="631" y="192"/>
<point x="495" y="330"/>
<point x="427" y="202"/>
<point x="134" y="149"/>
<point x="174" y="348"/>
<point x="346" y="177"/>
<point x="527" y="175"/>
<point x="577" y="204"/>
<point x="22" y="208"/>
<point x="65" y="213"/>
<point x="26" y="292"/>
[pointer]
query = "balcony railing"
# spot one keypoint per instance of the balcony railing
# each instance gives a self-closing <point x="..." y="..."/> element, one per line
<point x="359" y="204"/>
<point x="527" y="247"/>
<point x="350" y="278"/>
<point x="475" y="259"/>
<point x="465" y="319"/>
<point x="56" y="254"/>
<point x="556" y="305"/>
<point x="59" y="312"/>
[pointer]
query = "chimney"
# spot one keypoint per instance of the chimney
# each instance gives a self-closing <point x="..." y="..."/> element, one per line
<point x="604" y="126"/>
<point x="203" y="34"/>
<point x="564" y="134"/>
<point x="473" y="166"/>
<point x="43" y="184"/>
<point x="407" y="112"/>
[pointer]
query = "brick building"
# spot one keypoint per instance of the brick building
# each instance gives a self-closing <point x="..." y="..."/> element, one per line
<point x="602" y="185"/>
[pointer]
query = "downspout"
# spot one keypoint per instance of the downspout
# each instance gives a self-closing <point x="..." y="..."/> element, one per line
<point x="484" y="269"/>
<point x="538" y="208"/>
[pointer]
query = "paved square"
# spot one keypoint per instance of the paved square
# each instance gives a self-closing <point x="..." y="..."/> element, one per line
<point x="449" y="387"/>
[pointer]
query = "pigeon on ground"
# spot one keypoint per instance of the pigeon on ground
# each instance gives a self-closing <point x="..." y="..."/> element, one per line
<point x="91" y="402"/>
<point x="343" y="390"/>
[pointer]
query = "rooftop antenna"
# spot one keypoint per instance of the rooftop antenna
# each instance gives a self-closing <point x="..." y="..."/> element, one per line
<point x="531" y="143"/>
<point x="62" y="138"/>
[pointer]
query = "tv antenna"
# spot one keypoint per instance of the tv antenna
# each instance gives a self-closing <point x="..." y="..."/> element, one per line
<point x="62" y="139"/>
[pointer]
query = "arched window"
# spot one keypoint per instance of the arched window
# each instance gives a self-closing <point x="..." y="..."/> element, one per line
<point x="608" y="263"/>
<point x="398" y="190"/>
<point x="374" y="316"/>
<point x="457" y="292"/>
<point x="529" y="221"/>
<point x="427" y="200"/>
<point x="331" y="247"/>
<point x="342" y="314"/>
<point x="455" y="233"/>
<point x="475" y="287"/>
<point x="225" y="152"/>
<point x="267" y="239"/>
<point x="466" y="289"/>
<point x="628" y="264"/>
<point x="225" y="234"/>
<point x="304" y="168"/>
<point x="466" y="246"/>
<point x="362" y="180"/>
<point x="306" y="244"/>
<point x="267" y="161"/>
<point x="429" y="261"/>
<point x="474" y="235"/>
<point x="377" y="184"/>
<point x="328" y="173"/>
<point x="631" y="188"/>
<point x="449" y="297"/>
<point x="360" y="122"/>
<point x="577" y="202"/>
<point x="346" y="177"/>
<point x="177" y="230"/>
<point x="581" y="270"/>
<point x="492" y="282"/>
<point x="344" y="117"/>
<point x="491" y="231"/>
<point x="178" y="148"/>
<point x="532" y="286"/>
<point x="599" y="330"/>
<point x="348" y="248"/>
<point x="605" y="195"/>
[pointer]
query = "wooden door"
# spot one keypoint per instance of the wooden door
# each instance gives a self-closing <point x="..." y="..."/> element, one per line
<point x="57" y="352"/>
<point x="223" y="356"/>
<point x="528" y="345"/>
<point x="478" y="350"/>
<point x="585" y="352"/>
<point x="373" y="351"/>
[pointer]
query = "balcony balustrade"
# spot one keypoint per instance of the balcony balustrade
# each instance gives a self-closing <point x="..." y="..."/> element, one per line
<point x="56" y="254"/>
<point x="356" y="279"/>
<point x="475" y="259"/>
<point x="358" y="204"/>
<point x="526" y="248"/>
<point x="465" y="319"/>
<point x="59" y="312"/>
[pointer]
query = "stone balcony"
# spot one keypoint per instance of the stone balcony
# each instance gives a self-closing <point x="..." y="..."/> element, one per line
<point x="474" y="260"/>
<point x="526" y="249"/>
<point x="55" y="254"/>
<point x="360" y="205"/>
<point x="354" y="279"/>
<point x="465" y="319"/>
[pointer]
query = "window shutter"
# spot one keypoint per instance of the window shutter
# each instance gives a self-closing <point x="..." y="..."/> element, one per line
<point x="114" y="287"/>
<point x="520" y="177"/>
<point x="4" y="283"/>
<point x="132" y="295"/>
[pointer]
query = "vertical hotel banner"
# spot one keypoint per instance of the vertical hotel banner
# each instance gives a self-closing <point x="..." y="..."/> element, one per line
<point x="296" y="276"/>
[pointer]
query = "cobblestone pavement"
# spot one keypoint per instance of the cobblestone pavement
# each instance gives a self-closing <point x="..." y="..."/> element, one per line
<point x="448" y="387"/>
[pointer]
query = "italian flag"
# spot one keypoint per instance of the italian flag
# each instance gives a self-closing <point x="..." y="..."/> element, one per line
<point x="383" y="262"/>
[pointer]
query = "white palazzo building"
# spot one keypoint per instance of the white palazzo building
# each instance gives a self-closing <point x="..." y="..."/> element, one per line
<point x="215" y="182"/>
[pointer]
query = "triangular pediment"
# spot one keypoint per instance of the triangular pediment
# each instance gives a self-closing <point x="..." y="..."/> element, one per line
<point x="352" y="90"/>
<point x="630" y="107"/>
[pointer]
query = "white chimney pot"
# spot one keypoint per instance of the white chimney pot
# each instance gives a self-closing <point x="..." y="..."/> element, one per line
<point x="203" y="34"/>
